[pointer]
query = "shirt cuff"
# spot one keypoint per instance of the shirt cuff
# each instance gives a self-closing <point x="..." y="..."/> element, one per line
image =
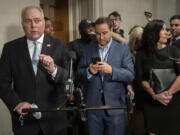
<point x="53" y="74"/>
<point x="89" y="75"/>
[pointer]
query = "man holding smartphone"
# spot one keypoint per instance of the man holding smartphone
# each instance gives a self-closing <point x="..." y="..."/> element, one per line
<point x="105" y="77"/>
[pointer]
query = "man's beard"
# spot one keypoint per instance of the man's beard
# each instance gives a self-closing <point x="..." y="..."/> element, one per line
<point x="86" y="37"/>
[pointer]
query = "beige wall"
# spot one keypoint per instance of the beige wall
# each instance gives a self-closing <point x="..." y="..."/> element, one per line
<point x="10" y="11"/>
<point x="178" y="6"/>
<point x="10" y="28"/>
<point x="132" y="11"/>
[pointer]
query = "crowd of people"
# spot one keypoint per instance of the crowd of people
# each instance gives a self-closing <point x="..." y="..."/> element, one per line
<point x="34" y="70"/>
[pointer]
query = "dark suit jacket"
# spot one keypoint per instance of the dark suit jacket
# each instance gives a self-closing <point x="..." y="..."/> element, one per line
<point x="177" y="43"/>
<point x="18" y="83"/>
<point x="123" y="71"/>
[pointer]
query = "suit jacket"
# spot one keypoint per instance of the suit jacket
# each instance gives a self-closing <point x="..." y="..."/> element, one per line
<point x="18" y="83"/>
<point x="123" y="71"/>
<point x="177" y="43"/>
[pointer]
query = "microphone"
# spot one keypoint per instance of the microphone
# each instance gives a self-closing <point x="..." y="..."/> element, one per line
<point x="69" y="84"/>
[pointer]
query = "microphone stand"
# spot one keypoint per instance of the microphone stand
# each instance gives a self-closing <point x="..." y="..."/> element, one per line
<point x="81" y="107"/>
<point x="69" y="84"/>
<point x="75" y="108"/>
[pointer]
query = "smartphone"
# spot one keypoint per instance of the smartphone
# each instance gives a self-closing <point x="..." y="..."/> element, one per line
<point x="147" y="14"/>
<point x="96" y="59"/>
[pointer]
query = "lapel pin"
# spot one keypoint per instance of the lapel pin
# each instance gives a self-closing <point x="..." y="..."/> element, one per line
<point x="48" y="45"/>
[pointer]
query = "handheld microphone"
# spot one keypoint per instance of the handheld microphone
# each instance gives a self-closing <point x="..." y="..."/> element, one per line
<point x="69" y="84"/>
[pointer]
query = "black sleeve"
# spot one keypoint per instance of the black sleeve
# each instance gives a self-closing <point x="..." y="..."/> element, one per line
<point x="176" y="54"/>
<point x="62" y="63"/>
<point x="139" y="68"/>
<point x="7" y="93"/>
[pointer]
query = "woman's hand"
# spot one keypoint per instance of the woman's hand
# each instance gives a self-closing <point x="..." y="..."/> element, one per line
<point x="164" y="97"/>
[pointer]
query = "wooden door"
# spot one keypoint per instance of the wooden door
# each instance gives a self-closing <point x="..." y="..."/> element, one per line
<point x="57" y="11"/>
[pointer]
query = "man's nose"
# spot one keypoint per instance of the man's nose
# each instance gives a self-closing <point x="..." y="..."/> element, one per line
<point x="173" y="27"/>
<point x="101" y="36"/>
<point x="33" y="23"/>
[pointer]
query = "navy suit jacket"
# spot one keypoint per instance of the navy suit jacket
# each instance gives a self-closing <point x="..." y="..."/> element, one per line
<point x="123" y="71"/>
<point x="177" y="43"/>
<point x="18" y="83"/>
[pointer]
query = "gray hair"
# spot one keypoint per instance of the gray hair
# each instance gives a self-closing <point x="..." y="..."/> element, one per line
<point x="31" y="7"/>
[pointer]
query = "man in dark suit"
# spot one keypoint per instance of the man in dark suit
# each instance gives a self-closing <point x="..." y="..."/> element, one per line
<point x="86" y="30"/>
<point x="32" y="71"/>
<point x="78" y="45"/>
<point x="105" y="78"/>
<point x="175" y="30"/>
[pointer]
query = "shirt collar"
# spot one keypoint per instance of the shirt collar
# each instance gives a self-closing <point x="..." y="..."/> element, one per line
<point x="40" y="40"/>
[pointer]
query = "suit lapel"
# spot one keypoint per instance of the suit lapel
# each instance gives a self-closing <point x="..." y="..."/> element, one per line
<point x="24" y="51"/>
<point x="96" y="50"/>
<point x="46" y="46"/>
<point x="111" y="52"/>
<point x="46" y="49"/>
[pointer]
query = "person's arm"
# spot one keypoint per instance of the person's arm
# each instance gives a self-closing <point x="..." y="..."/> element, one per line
<point x="163" y="97"/>
<point x="7" y="93"/>
<point x="59" y="70"/>
<point x="84" y="70"/>
<point x="118" y="37"/>
<point x="148" y="16"/>
<point x="129" y="88"/>
<point x="126" y="72"/>
<point x="175" y="87"/>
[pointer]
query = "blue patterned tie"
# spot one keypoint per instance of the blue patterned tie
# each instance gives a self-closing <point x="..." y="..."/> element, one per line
<point x="35" y="57"/>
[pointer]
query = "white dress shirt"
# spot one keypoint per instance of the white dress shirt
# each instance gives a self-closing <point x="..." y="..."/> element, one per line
<point x="39" y="45"/>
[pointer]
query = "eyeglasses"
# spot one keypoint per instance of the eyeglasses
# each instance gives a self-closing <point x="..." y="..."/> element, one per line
<point x="36" y="21"/>
<point x="115" y="20"/>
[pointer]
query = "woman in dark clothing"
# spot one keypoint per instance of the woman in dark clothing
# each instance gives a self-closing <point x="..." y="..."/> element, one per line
<point x="137" y="118"/>
<point x="162" y="111"/>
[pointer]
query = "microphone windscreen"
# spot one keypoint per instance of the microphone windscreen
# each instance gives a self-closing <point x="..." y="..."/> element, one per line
<point x="72" y="55"/>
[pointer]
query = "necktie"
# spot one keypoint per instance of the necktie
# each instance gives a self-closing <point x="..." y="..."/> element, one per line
<point x="35" y="57"/>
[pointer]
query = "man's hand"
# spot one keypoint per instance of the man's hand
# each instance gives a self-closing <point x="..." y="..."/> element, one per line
<point x="47" y="62"/>
<point x="70" y="97"/>
<point x="21" y="106"/>
<point x="93" y="68"/>
<point x="104" y="67"/>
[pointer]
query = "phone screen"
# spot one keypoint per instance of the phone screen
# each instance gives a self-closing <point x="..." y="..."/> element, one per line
<point x="95" y="60"/>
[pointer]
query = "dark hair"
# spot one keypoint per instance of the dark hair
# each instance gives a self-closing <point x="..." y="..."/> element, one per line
<point x="150" y="36"/>
<point x="116" y="14"/>
<point x="175" y="17"/>
<point x="102" y="20"/>
<point x="47" y="19"/>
